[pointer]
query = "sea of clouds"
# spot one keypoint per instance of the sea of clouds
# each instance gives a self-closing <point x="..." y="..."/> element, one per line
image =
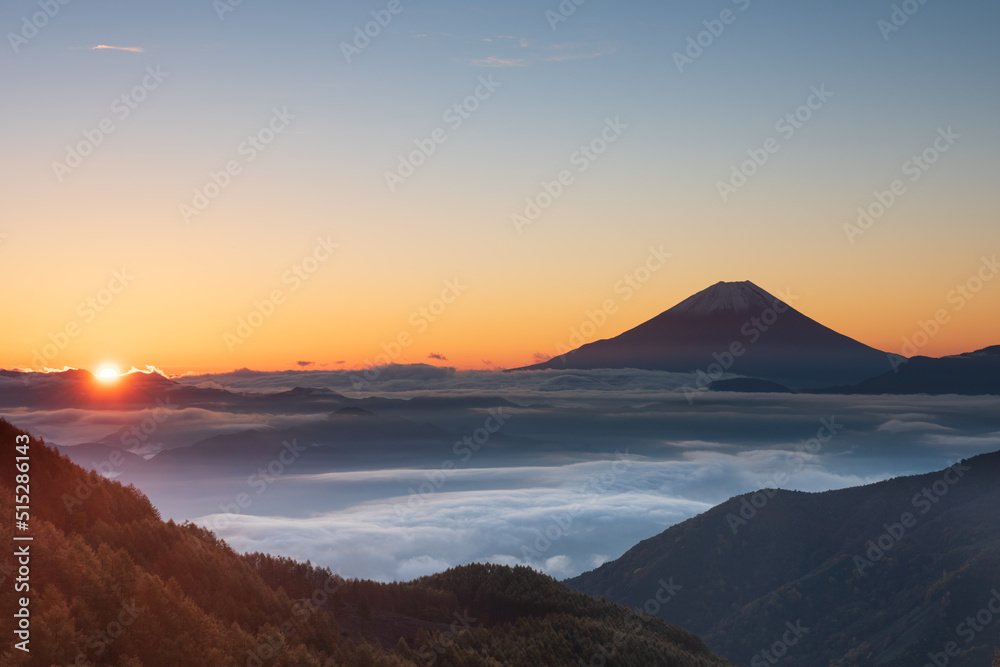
<point x="585" y="465"/>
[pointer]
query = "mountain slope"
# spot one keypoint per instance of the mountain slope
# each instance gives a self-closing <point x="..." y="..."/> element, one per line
<point x="816" y="559"/>
<point x="738" y="328"/>
<point x="112" y="584"/>
<point x="972" y="373"/>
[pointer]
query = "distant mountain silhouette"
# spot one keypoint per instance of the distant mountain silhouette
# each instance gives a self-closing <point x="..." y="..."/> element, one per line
<point x="749" y="386"/>
<point x="76" y="388"/>
<point x="970" y="374"/>
<point x="737" y="328"/>
<point x="871" y="590"/>
<point x="80" y="389"/>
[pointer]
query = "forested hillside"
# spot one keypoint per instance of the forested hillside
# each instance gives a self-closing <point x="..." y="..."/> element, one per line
<point x="110" y="583"/>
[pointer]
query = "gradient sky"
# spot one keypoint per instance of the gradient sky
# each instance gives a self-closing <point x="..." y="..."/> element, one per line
<point x="323" y="176"/>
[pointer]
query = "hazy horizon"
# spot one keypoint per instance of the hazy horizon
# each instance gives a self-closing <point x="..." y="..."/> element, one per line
<point x="425" y="480"/>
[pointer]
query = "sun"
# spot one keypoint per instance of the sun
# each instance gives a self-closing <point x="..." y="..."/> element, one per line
<point x="107" y="374"/>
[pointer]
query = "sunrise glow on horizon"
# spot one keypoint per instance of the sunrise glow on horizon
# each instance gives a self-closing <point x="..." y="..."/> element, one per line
<point x="107" y="374"/>
<point x="239" y="191"/>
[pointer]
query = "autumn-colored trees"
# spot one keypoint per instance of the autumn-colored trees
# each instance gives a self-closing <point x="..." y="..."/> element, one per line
<point x="113" y="584"/>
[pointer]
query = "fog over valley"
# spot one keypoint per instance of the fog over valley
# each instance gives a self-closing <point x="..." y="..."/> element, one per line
<point x="430" y="468"/>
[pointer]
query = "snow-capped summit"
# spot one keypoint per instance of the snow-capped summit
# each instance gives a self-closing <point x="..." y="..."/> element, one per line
<point x="733" y="328"/>
<point x="738" y="297"/>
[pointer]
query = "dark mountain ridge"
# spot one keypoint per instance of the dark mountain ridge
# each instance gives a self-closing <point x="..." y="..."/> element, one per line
<point x="971" y="373"/>
<point x="883" y="574"/>
<point x="736" y="328"/>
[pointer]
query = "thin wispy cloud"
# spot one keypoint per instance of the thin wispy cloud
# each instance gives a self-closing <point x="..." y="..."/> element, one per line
<point x="521" y="41"/>
<point x="552" y="53"/>
<point x="132" y="49"/>
<point x="493" y="61"/>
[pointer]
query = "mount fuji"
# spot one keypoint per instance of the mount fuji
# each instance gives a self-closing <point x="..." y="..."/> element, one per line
<point x="739" y="328"/>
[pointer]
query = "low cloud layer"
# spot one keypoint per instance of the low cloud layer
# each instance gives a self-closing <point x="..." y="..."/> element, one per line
<point x="561" y="520"/>
<point x="383" y="482"/>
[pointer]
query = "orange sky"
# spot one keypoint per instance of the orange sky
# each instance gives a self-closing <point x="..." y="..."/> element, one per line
<point x="535" y="106"/>
<point x="517" y="295"/>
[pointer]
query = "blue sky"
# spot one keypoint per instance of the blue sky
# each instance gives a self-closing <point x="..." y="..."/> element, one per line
<point x="557" y="87"/>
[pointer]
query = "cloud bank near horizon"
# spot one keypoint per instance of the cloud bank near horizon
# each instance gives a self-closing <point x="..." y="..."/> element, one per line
<point x="359" y="501"/>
